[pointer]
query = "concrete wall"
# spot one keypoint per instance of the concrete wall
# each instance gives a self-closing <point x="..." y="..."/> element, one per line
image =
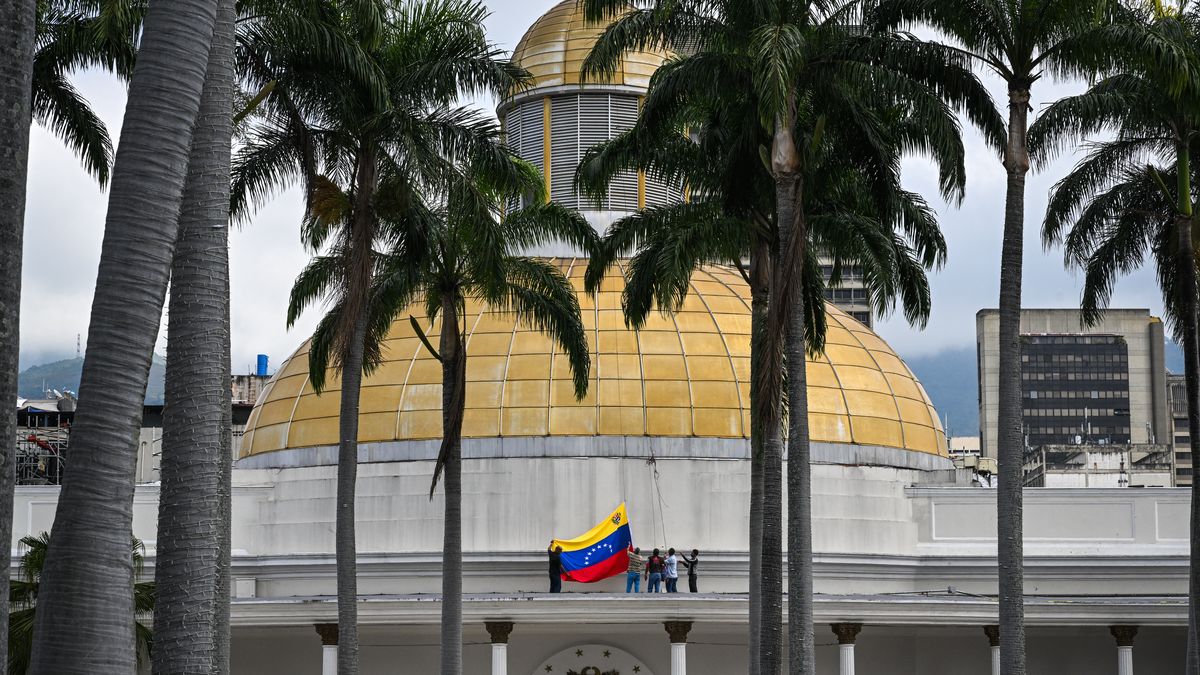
<point x="716" y="649"/>
<point x="1144" y="338"/>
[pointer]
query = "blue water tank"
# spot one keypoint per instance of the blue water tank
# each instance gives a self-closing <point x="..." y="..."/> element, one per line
<point x="261" y="370"/>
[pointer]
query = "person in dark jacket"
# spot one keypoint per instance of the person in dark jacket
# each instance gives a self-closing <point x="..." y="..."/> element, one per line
<point x="554" y="553"/>
<point x="690" y="564"/>
<point x="654" y="572"/>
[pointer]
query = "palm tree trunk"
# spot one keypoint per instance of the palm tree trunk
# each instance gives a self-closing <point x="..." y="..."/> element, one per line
<point x="454" y="369"/>
<point x="225" y="33"/>
<point x="801" y="650"/>
<point x="347" y="477"/>
<point x="1009" y="438"/>
<point x="17" y="20"/>
<point x="1190" y="325"/>
<point x="84" y="620"/>
<point x="197" y="385"/>
<point x="760" y="280"/>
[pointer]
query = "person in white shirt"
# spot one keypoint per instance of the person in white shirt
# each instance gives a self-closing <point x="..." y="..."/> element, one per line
<point x="672" y="572"/>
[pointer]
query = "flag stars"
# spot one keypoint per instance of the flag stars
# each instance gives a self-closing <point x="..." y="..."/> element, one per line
<point x="579" y="652"/>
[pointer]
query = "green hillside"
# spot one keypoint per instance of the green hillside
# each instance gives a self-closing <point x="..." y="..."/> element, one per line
<point x="64" y="375"/>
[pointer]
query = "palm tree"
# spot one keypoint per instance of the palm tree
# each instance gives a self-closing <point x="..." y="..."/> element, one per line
<point x="1019" y="41"/>
<point x="811" y="75"/>
<point x="1132" y="196"/>
<point x="17" y="32"/>
<point x="196" y="418"/>
<point x="72" y="35"/>
<point x="23" y="594"/>
<point x="85" y="611"/>
<point x="471" y="254"/>
<point x="366" y="143"/>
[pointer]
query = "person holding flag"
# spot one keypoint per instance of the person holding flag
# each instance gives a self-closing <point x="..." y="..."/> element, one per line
<point x="600" y="553"/>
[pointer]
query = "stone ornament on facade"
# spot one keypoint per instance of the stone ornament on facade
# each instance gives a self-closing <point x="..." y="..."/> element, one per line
<point x="592" y="659"/>
<point x="328" y="633"/>
<point x="498" y="631"/>
<point x="1123" y="634"/>
<point x="846" y="632"/>
<point x="677" y="630"/>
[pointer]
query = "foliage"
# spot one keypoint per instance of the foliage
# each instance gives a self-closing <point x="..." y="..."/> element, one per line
<point x="22" y="598"/>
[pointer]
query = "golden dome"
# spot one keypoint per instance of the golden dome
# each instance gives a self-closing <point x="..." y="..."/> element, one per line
<point x="554" y="47"/>
<point x="685" y="375"/>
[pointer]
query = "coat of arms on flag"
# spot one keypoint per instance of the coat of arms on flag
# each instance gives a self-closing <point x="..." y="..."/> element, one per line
<point x="599" y="553"/>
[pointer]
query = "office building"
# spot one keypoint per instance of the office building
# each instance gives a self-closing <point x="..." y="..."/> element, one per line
<point x="1080" y="385"/>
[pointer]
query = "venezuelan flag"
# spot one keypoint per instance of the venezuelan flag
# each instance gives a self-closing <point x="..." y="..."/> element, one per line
<point x="600" y="553"/>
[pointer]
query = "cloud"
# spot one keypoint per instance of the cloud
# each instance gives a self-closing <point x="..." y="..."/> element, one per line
<point x="65" y="217"/>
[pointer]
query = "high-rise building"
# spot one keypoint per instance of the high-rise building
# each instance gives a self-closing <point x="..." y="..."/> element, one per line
<point x="1080" y="385"/>
<point x="1181" y="438"/>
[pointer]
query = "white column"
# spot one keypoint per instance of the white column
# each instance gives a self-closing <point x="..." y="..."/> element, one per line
<point x="329" y="660"/>
<point x="678" y="631"/>
<point x="1124" y="660"/>
<point x="846" y="659"/>
<point x="678" y="658"/>
<point x="499" y="658"/>
<point x="1124" y="636"/>
<point x="499" y="631"/>
<point x="329" y="647"/>
<point x="993" y="635"/>
<point x="846" y="634"/>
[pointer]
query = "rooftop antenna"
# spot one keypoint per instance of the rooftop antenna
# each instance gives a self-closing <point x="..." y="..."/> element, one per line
<point x="77" y="343"/>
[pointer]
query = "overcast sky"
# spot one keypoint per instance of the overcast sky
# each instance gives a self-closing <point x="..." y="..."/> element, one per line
<point x="65" y="216"/>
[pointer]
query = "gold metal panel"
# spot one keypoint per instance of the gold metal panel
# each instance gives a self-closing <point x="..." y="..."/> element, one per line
<point x="822" y="400"/>
<point x="526" y="393"/>
<point x="857" y="377"/>
<point x="573" y="421"/>
<point x="619" y="393"/>
<point x="305" y="433"/>
<point x="836" y="335"/>
<point x="904" y="387"/>
<point x="482" y="422"/>
<point x="719" y="423"/>
<point x="821" y="375"/>
<point x="890" y="363"/>
<point x="664" y="367"/>
<point x="377" y="426"/>
<point x="379" y="399"/>
<point x="296" y="365"/>
<point x="562" y="393"/>
<point x="871" y="404"/>
<point x="713" y="394"/>
<point x="419" y="424"/>
<point x="733" y="324"/>
<point x="920" y="438"/>
<point x="618" y="421"/>
<point x="529" y="367"/>
<point x="425" y="371"/>
<point x="488" y="344"/>
<point x="312" y="406"/>
<point x="484" y="368"/>
<point x="703" y="343"/>
<point x="287" y="387"/>
<point x="726" y="304"/>
<point x="659" y="342"/>
<point x="829" y="428"/>
<point x="267" y="438"/>
<point x="876" y="431"/>
<point x="669" y="421"/>
<point x="741" y="368"/>
<point x="618" y="340"/>
<point x="531" y="342"/>
<point x="667" y="394"/>
<point x="483" y="394"/>
<point x="851" y="356"/>
<point x="273" y="412"/>
<point x="655" y="321"/>
<point x="914" y="411"/>
<point x="710" y="368"/>
<point x="524" y="422"/>
<point x="695" y="322"/>
<point x="422" y="397"/>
